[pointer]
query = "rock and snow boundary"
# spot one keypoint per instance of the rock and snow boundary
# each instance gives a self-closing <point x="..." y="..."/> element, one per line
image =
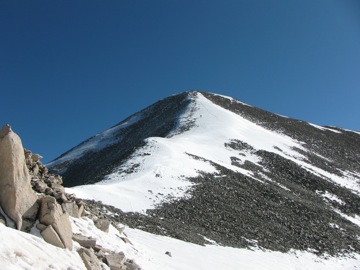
<point x="19" y="250"/>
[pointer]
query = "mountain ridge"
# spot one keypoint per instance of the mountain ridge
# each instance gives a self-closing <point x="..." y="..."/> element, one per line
<point x="216" y="168"/>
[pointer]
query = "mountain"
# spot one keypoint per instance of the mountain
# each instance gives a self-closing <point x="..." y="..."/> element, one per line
<point x="206" y="168"/>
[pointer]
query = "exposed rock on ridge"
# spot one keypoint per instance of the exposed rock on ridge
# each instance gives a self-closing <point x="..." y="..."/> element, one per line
<point x="19" y="171"/>
<point x="17" y="199"/>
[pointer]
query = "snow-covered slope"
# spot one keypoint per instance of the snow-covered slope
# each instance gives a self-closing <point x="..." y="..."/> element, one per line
<point x="19" y="251"/>
<point x="203" y="167"/>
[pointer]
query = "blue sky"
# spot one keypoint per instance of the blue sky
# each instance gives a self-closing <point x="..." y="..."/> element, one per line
<point x="70" y="69"/>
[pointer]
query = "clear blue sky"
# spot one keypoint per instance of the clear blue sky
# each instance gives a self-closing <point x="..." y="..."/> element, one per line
<point x="70" y="69"/>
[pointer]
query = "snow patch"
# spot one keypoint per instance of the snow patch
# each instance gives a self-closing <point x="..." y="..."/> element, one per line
<point x="152" y="248"/>
<point x="329" y="196"/>
<point x="98" y="142"/>
<point x="324" y="128"/>
<point x="354" y="219"/>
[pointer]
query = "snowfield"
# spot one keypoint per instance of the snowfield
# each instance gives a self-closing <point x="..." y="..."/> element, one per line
<point x="20" y="250"/>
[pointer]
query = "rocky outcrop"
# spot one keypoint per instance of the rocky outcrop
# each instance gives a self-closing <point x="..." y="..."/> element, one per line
<point x="45" y="183"/>
<point x="29" y="193"/>
<point x="17" y="199"/>
<point x="51" y="214"/>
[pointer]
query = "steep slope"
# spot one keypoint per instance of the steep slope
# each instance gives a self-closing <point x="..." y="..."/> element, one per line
<point x="204" y="166"/>
<point x="95" y="158"/>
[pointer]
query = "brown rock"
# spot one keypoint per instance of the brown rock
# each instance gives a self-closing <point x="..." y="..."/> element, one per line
<point x="58" y="179"/>
<point x="57" y="187"/>
<point x="36" y="157"/>
<point x="131" y="265"/>
<point x="101" y="252"/>
<point x="81" y="210"/>
<point x="52" y="214"/>
<point x="50" y="236"/>
<point x="89" y="259"/>
<point x="86" y="242"/>
<point x="116" y="261"/>
<point x="103" y="224"/>
<point x="35" y="169"/>
<point x="71" y="208"/>
<point x="60" y="197"/>
<point x="41" y="227"/>
<point x="39" y="185"/>
<point x="17" y="199"/>
<point x="27" y="154"/>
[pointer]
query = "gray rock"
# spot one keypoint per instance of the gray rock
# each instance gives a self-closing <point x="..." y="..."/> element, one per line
<point x="71" y="208"/>
<point x="168" y="253"/>
<point x="58" y="179"/>
<point x="91" y="262"/>
<point x="81" y="210"/>
<point x="116" y="261"/>
<point x="57" y="187"/>
<point x="86" y="242"/>
<point x="103" y="224"/>
<point x="41" y="227"/>
<point x="131" y="265"/>
<point x="35" y="169"/>
<point x="17" y="199"/>
<point x="51" y="236"/>
<point x="39" y="185"/>
<point x="36" y="157"/>
<point x="59" y="196"/>
<point x="52" y="214"/>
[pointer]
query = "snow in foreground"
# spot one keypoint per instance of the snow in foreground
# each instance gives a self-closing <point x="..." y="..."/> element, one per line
<point x="20" y="250"/>
<point x="24" y="251"/>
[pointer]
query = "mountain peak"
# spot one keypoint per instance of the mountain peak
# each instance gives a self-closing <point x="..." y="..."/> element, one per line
<point x="229" y="171"/>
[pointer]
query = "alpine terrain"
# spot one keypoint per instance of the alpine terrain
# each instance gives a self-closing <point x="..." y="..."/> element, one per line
<point x="211" y="170"/>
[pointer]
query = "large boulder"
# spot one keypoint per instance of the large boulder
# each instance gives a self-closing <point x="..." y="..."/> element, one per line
<point x="17" y="199"/>
<point x="51" y="213"/>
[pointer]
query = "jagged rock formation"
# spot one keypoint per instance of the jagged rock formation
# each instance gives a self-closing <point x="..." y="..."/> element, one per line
<point x="17" y="199"/>
<point x="26" y="186"/>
